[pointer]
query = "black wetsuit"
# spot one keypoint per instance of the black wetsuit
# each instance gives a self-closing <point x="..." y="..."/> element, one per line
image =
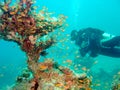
<point x="95" y="46"/>
<point x="111" y="47"/>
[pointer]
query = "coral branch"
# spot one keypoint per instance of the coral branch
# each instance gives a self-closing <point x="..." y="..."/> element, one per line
<point x="19" y="24"/>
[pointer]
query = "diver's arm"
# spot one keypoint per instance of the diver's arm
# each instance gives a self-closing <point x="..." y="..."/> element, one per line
<point x="111" y="52"/>
<point x="106" y="37"/>
<point x="110" y="45"/>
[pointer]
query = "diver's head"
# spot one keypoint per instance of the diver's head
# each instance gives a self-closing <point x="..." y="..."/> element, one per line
<point x="74" y="35"/>
<point x="78" y="37"/>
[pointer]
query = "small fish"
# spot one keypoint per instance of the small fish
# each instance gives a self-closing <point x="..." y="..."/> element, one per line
<point x="84" y="68"/>
<point x="58" y="84"/>
<point x="69" y="61"/>
<point x="22" y="14"/>
<point x="13" y="12"/>
<point x="43" y="53"/>
<point x="42" y="12"/>
<point x="43" y="67"/>
<point x="97" y="84"/>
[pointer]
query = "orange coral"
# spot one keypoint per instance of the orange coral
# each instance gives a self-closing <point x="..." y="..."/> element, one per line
<point x="56" y="79"/>
<point x="21" y="25"/>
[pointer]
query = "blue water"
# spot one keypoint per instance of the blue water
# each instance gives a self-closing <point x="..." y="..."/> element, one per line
<point x="102" y="14"/>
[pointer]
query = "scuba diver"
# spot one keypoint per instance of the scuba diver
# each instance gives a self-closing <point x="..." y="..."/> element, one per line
<point x="93" y="42"/>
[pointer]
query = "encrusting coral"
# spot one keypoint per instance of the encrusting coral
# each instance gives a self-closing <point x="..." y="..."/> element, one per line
<point x="116" y="82"/>
<point x="21" y="24"/>
<point x="51" y="76"/>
